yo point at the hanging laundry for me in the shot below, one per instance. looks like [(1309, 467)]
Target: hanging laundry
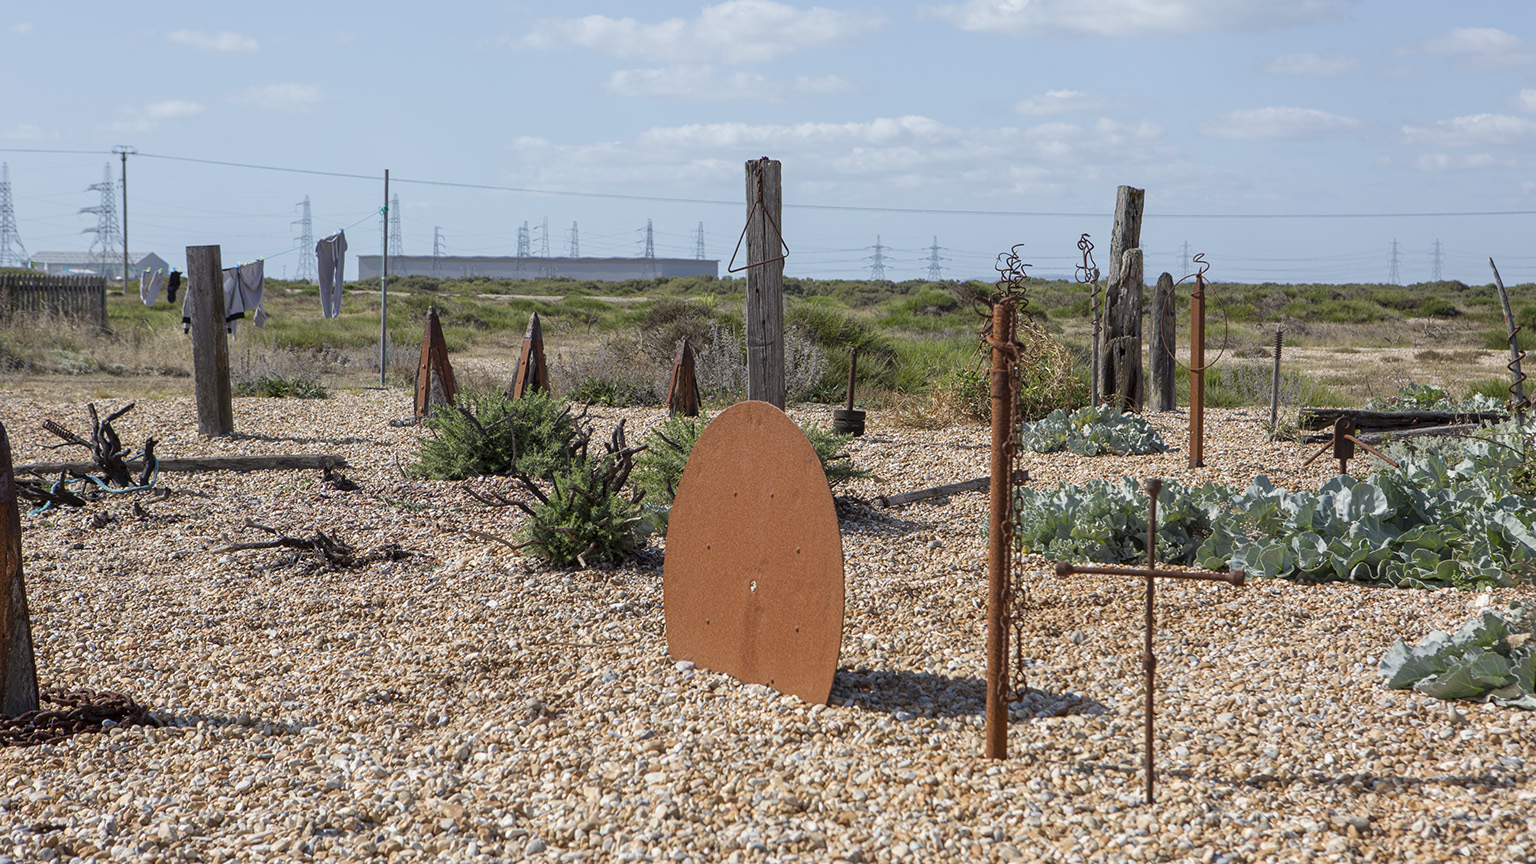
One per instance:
[(172, 285), (149, 286), (331, 256), (243, 290)]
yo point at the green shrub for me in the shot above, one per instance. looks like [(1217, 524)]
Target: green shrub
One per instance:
[(1498, 340), (297, 387), (618, 373), (669, 321), (659, 468), (836, 332), (1526, 317), (586, 518), (536, 435), (838, 467), (1436, 307)]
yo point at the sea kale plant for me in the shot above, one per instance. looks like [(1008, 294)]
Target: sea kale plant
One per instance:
[(1457, 515), (1490, 657), (1092, 431)]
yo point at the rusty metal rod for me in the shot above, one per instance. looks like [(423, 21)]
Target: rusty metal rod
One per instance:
[(853, 365), (996, 731), (1197, 373), (1236, 577), (1148, 659)]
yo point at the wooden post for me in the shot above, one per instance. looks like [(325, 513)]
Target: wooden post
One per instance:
[(996, 730), (683, 392), (1274, 382), (765, 282), (18, 668), (1129, 202), (1516, 388), (1122, 380), (1163, 343), (210, 347)]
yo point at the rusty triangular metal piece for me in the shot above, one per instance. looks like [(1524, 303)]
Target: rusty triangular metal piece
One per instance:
[(434, 376), (18, 668), (683, 392), (532, 371)]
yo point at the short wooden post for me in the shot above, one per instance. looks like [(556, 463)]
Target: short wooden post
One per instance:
[(1516, 376), (434, 375), (1122, 380), (210, 346), (1163, 345), (683, 392), (996, 729), (532, 371), (18, 668), (765, 282)]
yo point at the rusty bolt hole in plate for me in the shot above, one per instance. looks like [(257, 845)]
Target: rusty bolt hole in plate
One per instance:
[(753, 512)]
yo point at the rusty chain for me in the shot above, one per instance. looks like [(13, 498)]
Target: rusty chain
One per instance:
[(83, 711)]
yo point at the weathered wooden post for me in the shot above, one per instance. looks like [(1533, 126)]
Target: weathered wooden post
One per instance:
[(1126, 234), (683, 391), (1516, 376), (18, 668), (1124, 385), (1163, 344), (996, 731), (532, 371), (765, 282), (434, 375), (210, 346)]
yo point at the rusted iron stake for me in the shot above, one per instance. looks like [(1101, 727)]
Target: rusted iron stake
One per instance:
[(996, 732), (853, 365), (1197, 373), (1343, 443), (1151, 573)]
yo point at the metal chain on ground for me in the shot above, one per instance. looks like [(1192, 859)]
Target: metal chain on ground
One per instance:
[(83, 711)]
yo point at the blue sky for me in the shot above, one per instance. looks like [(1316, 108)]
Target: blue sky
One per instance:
[(914, 116)]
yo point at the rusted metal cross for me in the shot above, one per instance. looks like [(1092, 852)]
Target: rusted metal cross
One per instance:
[(1151, 573)]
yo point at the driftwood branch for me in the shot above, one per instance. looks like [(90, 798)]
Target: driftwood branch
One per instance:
[(329, 553)]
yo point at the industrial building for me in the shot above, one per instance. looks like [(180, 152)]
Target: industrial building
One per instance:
[(537, 267), (110, 266)]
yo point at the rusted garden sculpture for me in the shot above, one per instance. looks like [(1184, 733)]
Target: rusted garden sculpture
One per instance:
[(1151, 573), (1343, 443), (532, 371), (683, 391), (434, 375), (753, 578)]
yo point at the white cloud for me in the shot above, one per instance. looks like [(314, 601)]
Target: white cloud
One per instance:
[(1525, 100), (707, 83), (736, 31), (22, 28), (1321, 65), (1440, 163), (1133, 17), (1280, 124), (223, 42), (171, 109), (1482, 47), (292, 98), (26, 132), (1053, 102), (1475, 131)]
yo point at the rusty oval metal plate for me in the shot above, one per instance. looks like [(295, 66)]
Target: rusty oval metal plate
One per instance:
[(753, 578)]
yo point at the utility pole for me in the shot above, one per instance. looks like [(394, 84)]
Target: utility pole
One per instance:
[(698, 243), (123, 152), (522, 241), (877, 269), (1185, 259), (935, 272), (1435, 271), (437, 248), (650, 240), (106, 217), (575, 241), (306, 241), (1394, 276), (11, 250), (396, 238), (544, 238)]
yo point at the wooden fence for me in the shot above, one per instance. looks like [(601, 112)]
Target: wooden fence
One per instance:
[(31, 296)]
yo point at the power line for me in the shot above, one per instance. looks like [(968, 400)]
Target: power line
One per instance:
[(396, 241), (877, 268), (935, 272), (437, 248), (106, 218), (1435, 263), (575, 241), (1394, 277), (306, 271), (11, 249), (698, 249)]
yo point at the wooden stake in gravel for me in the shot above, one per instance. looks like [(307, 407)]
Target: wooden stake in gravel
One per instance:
[(1163, 340), (18, 669), (210, 348), (765, 282), (532, 371), (434, 375), (683, 392)]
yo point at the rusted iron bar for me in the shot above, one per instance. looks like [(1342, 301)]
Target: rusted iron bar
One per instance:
[(1151, 574), (996, 732), (18, 668), (1343, 443), (853, 365), (1197, 371), (1274, 382)]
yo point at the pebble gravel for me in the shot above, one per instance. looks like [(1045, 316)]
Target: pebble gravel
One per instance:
[(469, 704)]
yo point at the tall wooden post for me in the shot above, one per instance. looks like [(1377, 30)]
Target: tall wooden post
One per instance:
[(1163, 338), (210, 347), (765, 282), (996, 731), (1129, 203), (1126, 235), (1122, 379), (18, 668)]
